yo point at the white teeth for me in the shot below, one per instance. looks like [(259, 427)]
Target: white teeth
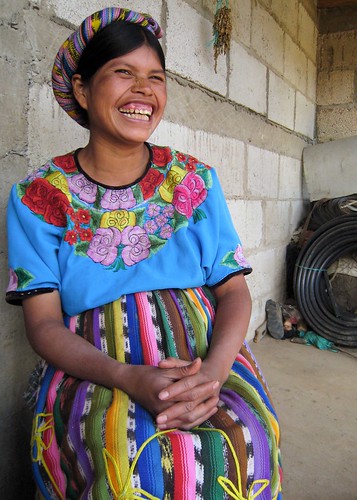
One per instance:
[(135, 111), (136, 116)]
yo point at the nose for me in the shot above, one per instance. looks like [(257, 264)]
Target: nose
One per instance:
[(142, 84)]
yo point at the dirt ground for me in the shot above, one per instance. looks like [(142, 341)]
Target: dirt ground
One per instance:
[(315, 396)]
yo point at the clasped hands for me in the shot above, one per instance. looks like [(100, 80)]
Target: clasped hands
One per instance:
[(177, 393)]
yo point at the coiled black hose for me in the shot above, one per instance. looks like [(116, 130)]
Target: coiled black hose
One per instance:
[(313, 293)]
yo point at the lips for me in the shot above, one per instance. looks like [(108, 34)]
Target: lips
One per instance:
[(138, 111)]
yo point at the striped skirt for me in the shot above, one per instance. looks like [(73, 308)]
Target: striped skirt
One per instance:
[(92, 442)]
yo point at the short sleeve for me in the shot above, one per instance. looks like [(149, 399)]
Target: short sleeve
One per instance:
[(32, 251), (222, 250)]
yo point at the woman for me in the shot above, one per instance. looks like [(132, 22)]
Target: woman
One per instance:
[(131, 279)]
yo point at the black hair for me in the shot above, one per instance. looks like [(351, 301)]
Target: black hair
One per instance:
[(115, 40)]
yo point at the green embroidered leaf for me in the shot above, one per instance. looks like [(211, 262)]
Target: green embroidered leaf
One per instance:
[(179, 221), (156, 243), (20, 189), (24, 277), (137, 194), (140, 217), (207, 177), (198, 215), (81, 248), (229, 261)]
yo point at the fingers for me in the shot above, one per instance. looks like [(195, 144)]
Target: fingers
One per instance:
[(173, 363), (186, 415)]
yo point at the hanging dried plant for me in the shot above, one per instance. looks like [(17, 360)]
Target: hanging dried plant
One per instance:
[(222, 30)]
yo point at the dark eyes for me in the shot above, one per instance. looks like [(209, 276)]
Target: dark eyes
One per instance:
[(129, 74)]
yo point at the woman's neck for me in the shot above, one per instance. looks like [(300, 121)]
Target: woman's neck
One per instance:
[(114, 166)]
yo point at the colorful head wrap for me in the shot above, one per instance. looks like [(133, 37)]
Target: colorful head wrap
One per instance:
[(67, 58)]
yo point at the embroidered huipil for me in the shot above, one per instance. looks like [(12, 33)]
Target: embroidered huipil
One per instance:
[(94, 243)]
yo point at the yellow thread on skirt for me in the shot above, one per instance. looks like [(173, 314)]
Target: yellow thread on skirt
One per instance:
[(127, 492), (39, 427)]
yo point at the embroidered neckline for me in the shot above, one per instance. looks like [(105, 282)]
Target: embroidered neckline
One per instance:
[(107, 186)]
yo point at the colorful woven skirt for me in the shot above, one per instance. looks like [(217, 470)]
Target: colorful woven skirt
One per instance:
[(90, 442)]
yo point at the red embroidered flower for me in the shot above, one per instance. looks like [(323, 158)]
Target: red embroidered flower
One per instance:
[(181, 157), (191, 164), (66, 162), (71, 237), (56, 209), (44, 199), (161, 156), (85, 234), (82, 216), (148, 185)]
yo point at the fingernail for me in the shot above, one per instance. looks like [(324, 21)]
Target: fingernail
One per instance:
[(161, 419), (163, 395), (216, 385)]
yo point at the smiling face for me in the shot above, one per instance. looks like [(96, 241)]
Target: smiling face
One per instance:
[(125, 99)]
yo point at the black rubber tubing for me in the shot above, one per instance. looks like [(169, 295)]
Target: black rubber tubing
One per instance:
[(333, 240)]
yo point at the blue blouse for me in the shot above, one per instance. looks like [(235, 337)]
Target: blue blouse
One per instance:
[(94, 243)]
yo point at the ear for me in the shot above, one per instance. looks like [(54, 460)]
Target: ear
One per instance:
[(79, 91)]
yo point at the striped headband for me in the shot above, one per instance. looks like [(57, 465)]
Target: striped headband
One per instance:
[(67, 58)]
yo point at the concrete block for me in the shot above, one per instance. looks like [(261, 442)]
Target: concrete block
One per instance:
[(311, 80), (247, 217), (295, 65), (330, 169), (189, 52), (268, 277), (338, 50), (336, 123), (14, 167), (247, 80), (13, 102), (307, 33), (75, 12), (290, 178), (287, 13), (298, 210), (263, 173), (305, 116), (51, 131), (281, 101), (241, 15), (335, 87), (276, 222), (267, 38), (44, 38), (225, 154)]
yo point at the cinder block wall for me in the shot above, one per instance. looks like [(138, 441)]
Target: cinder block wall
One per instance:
[(250, 120), (337, 74)]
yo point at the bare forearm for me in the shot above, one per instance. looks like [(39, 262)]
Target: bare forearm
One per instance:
[(74, 355), (230, 328)]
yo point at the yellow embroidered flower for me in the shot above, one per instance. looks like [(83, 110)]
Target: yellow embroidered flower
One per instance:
[(174, 177), (118, 218), (59, 181)]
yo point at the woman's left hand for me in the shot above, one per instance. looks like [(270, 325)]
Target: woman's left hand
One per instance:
[(195, 398)]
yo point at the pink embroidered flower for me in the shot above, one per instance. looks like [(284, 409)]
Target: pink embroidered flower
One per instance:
[(166, 231), (168, 211), (86, 190), (150, 226), (118, 198), (196, 187), (13, 281), (137, 245), (239, 257), (103, 247), (189, 194), (153, 210), (182, 201)]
